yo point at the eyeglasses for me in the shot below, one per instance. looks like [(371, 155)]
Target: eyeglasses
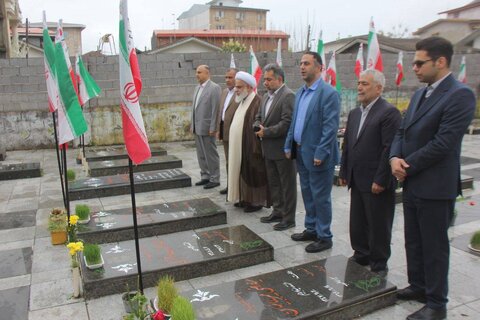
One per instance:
[(420, 63)]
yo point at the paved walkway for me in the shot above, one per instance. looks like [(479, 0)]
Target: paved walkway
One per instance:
[(36, 275)]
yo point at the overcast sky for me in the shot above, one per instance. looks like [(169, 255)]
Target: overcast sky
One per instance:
[(339, 18)]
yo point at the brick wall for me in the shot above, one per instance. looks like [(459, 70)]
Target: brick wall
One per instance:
[(168, 85)]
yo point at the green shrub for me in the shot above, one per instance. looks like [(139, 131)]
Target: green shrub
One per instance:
[(71, 175), (166, 293), (82, 211), (182, 309), (92, 253), (475, 240)]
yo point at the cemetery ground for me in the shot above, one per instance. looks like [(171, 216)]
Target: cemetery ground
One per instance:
[(36, 278)]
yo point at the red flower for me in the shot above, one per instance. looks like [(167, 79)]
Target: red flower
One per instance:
[(158, 315), (472, 203)]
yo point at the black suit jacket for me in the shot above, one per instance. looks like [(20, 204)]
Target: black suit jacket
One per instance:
[(365, 159), (430, 139)]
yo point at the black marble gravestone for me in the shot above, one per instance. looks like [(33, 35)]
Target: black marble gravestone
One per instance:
[(120, 184), (463, 243), (332, 288), (183, 255), (116, 152), (163, 218), (20, 171), (111, 167)]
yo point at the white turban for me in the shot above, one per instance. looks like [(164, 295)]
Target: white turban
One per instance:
[(247, 78)]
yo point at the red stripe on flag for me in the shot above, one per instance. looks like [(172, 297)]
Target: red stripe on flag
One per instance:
[(137, 147), (137, 78)]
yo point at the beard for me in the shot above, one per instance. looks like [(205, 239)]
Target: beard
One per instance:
[(242, 95)]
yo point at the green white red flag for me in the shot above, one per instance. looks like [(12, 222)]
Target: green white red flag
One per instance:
[(255, 69), (462, 75), (87, 87), (71, 123), (49, 60), (60, 38), (134, 133), (278, 60), (321, 52), (359, 61), (374, 56), (332, 76), (232, 61), (399, 74)]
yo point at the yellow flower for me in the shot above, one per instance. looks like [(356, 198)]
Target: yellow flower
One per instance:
[(73, 219), (74, 247)]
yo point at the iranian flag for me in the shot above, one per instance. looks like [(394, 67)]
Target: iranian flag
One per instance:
[(49, 60), (399, 74), (255, 69), (87, 87), (279, 53), (462, 75), (232, 61), (321, 52), (332, 76), (359, 61), (134, 133), (71, 123), (374, 56), (60, 38)]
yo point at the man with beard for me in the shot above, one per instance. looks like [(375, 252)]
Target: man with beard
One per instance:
[(247, 182), (226, 110)]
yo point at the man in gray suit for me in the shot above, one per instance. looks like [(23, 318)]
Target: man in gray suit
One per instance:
[(271, 126), (206, 99)]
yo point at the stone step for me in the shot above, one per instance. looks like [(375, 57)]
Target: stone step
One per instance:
[(162, 218), (20, 171), (116, 152), (183, 255), (331, 288), (120, 184), (112, 167)]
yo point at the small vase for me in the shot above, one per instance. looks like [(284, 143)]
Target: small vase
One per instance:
[(94, 266), (58, 237), (84, 221), (76, 282)]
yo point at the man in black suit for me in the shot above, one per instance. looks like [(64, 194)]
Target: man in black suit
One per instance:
[(271, 126), (425, 155), (365, 168)]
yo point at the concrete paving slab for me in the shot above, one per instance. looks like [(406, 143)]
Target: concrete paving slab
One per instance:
[(14, 303)]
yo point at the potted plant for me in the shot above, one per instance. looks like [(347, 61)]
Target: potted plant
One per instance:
[(92, 256), (57, 225), (182, 309), (166, 294), (83, 213), (71, 175), (475, 242), (138, 306)]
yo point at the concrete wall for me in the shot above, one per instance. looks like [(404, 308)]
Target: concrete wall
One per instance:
[(168, 85)]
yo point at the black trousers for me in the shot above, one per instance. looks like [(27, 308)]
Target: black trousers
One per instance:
[(371, 219), (427, 245)]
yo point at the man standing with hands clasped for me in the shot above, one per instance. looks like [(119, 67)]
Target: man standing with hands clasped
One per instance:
[(425, 155), (271, 126), (364, 167)]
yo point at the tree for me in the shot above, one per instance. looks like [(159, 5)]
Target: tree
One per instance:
[(233, 46), (398, 31)]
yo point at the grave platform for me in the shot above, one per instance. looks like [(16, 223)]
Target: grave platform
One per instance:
[(183, 255), (117, 225), (112, 167), (20, 171), (116, 152), (120, 184)]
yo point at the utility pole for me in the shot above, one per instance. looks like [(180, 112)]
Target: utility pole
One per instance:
[(308, 38)]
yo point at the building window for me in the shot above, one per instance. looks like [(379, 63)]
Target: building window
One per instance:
[(220, 14), (220, 27), (259, 17), (240, 16)]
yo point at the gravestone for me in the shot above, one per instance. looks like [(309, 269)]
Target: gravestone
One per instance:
[(163, 218), (3, 154), (20, 171), (116, 152), (120, 184), (331, 288), (112, 167), (183, 255), (463, 242)]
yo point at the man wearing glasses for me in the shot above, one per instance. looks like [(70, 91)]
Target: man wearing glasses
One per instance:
[(425, 155)]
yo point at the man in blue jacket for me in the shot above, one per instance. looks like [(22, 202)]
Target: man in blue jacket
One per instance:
[(312, 140)]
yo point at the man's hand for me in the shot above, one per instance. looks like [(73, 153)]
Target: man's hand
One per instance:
[(212, 133), (399, 167), (376, 188), (260, 132), (288, 155), (317, 162), (342, 182)]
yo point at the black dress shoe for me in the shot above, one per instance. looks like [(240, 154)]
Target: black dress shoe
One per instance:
[(202, 182), (427, 313), (319, 245), (224, 191), (211, 185), (304, 236), (240, 204), (361, 261), (271, 218), (252, 208), (409, 293), (283, 226)]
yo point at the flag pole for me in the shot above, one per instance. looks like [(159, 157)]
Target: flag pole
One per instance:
[(135, 226), (67, 207), (58, 158), (396, 97)]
